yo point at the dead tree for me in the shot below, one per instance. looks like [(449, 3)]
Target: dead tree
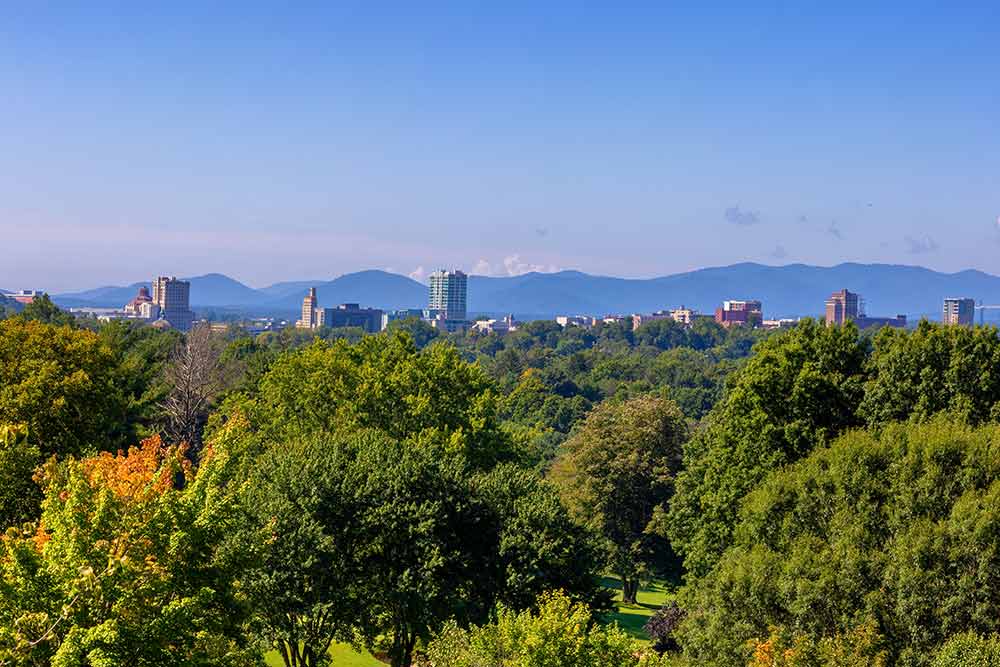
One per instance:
[(197, 376)]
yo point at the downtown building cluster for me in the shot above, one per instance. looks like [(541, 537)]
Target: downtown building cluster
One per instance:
[(167, 304)]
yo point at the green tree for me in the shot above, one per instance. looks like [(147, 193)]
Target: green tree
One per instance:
[(538, 546), (558, 634), (383, 382), (303, 584), (41, 309), (800, 390), (140, 353), (969, 649), (933, 369), (664, 334), (617, 473), (421, 332), (19, 495), (65, 385), (900, 528)]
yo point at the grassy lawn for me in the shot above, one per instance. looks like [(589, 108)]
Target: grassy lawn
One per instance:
[(631, 617), (343, 656)]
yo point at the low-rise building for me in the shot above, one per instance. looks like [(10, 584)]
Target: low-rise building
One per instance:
[(783, 323), (351, 315), (501, 326), (684, 315), (740, 313), (585, 321), (25, 296)]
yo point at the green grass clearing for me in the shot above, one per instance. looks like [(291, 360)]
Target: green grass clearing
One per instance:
[(342, 654), (631, 617)]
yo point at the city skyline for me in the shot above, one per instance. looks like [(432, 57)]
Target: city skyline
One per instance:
[(497, 140)]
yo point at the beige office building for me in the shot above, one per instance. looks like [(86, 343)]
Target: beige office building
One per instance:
[(173, 297)]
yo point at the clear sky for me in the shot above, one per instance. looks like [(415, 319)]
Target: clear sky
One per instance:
[(271, 142)]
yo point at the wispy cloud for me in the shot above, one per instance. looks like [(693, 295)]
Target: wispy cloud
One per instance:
[(735, 215), (542, 232), (779, 252), (919, 246), (834, 231), (482, 268)]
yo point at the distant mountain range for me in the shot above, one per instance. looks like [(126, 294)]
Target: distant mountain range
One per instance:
[(787, 291)]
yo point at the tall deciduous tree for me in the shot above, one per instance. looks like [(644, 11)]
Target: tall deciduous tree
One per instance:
[(197, 376), (617, 473)]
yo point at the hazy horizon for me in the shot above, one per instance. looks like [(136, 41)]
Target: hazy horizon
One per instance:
[(275, 144)]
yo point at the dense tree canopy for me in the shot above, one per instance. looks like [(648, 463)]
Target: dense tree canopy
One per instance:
[(385, 383), (898, 529), (64, 384), (799, 390)]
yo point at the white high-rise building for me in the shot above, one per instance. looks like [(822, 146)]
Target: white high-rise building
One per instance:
[(448, 290)]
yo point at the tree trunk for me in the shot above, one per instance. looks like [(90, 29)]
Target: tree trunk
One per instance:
[(630, 589)]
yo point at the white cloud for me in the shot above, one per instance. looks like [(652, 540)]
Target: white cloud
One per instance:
[(514, 266), (418, 273), (482, 268)]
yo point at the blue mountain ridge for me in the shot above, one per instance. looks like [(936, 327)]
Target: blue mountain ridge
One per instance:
[(791, 290)]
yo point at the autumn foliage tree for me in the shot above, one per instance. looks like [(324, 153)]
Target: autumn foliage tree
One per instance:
[(123, 568)]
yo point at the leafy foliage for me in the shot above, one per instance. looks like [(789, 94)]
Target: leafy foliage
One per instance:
[(800, 390), (560, 633), (385, 383), (122, 570), (968, 649), (900, 527), (19, 495), (64, 385), (859, 647), (363, 536), (934, 369), (41, 309)]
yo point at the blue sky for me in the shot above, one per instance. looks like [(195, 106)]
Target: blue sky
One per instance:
[(272, 143)]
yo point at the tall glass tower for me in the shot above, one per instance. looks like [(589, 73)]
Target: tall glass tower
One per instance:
[(448, 291)]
